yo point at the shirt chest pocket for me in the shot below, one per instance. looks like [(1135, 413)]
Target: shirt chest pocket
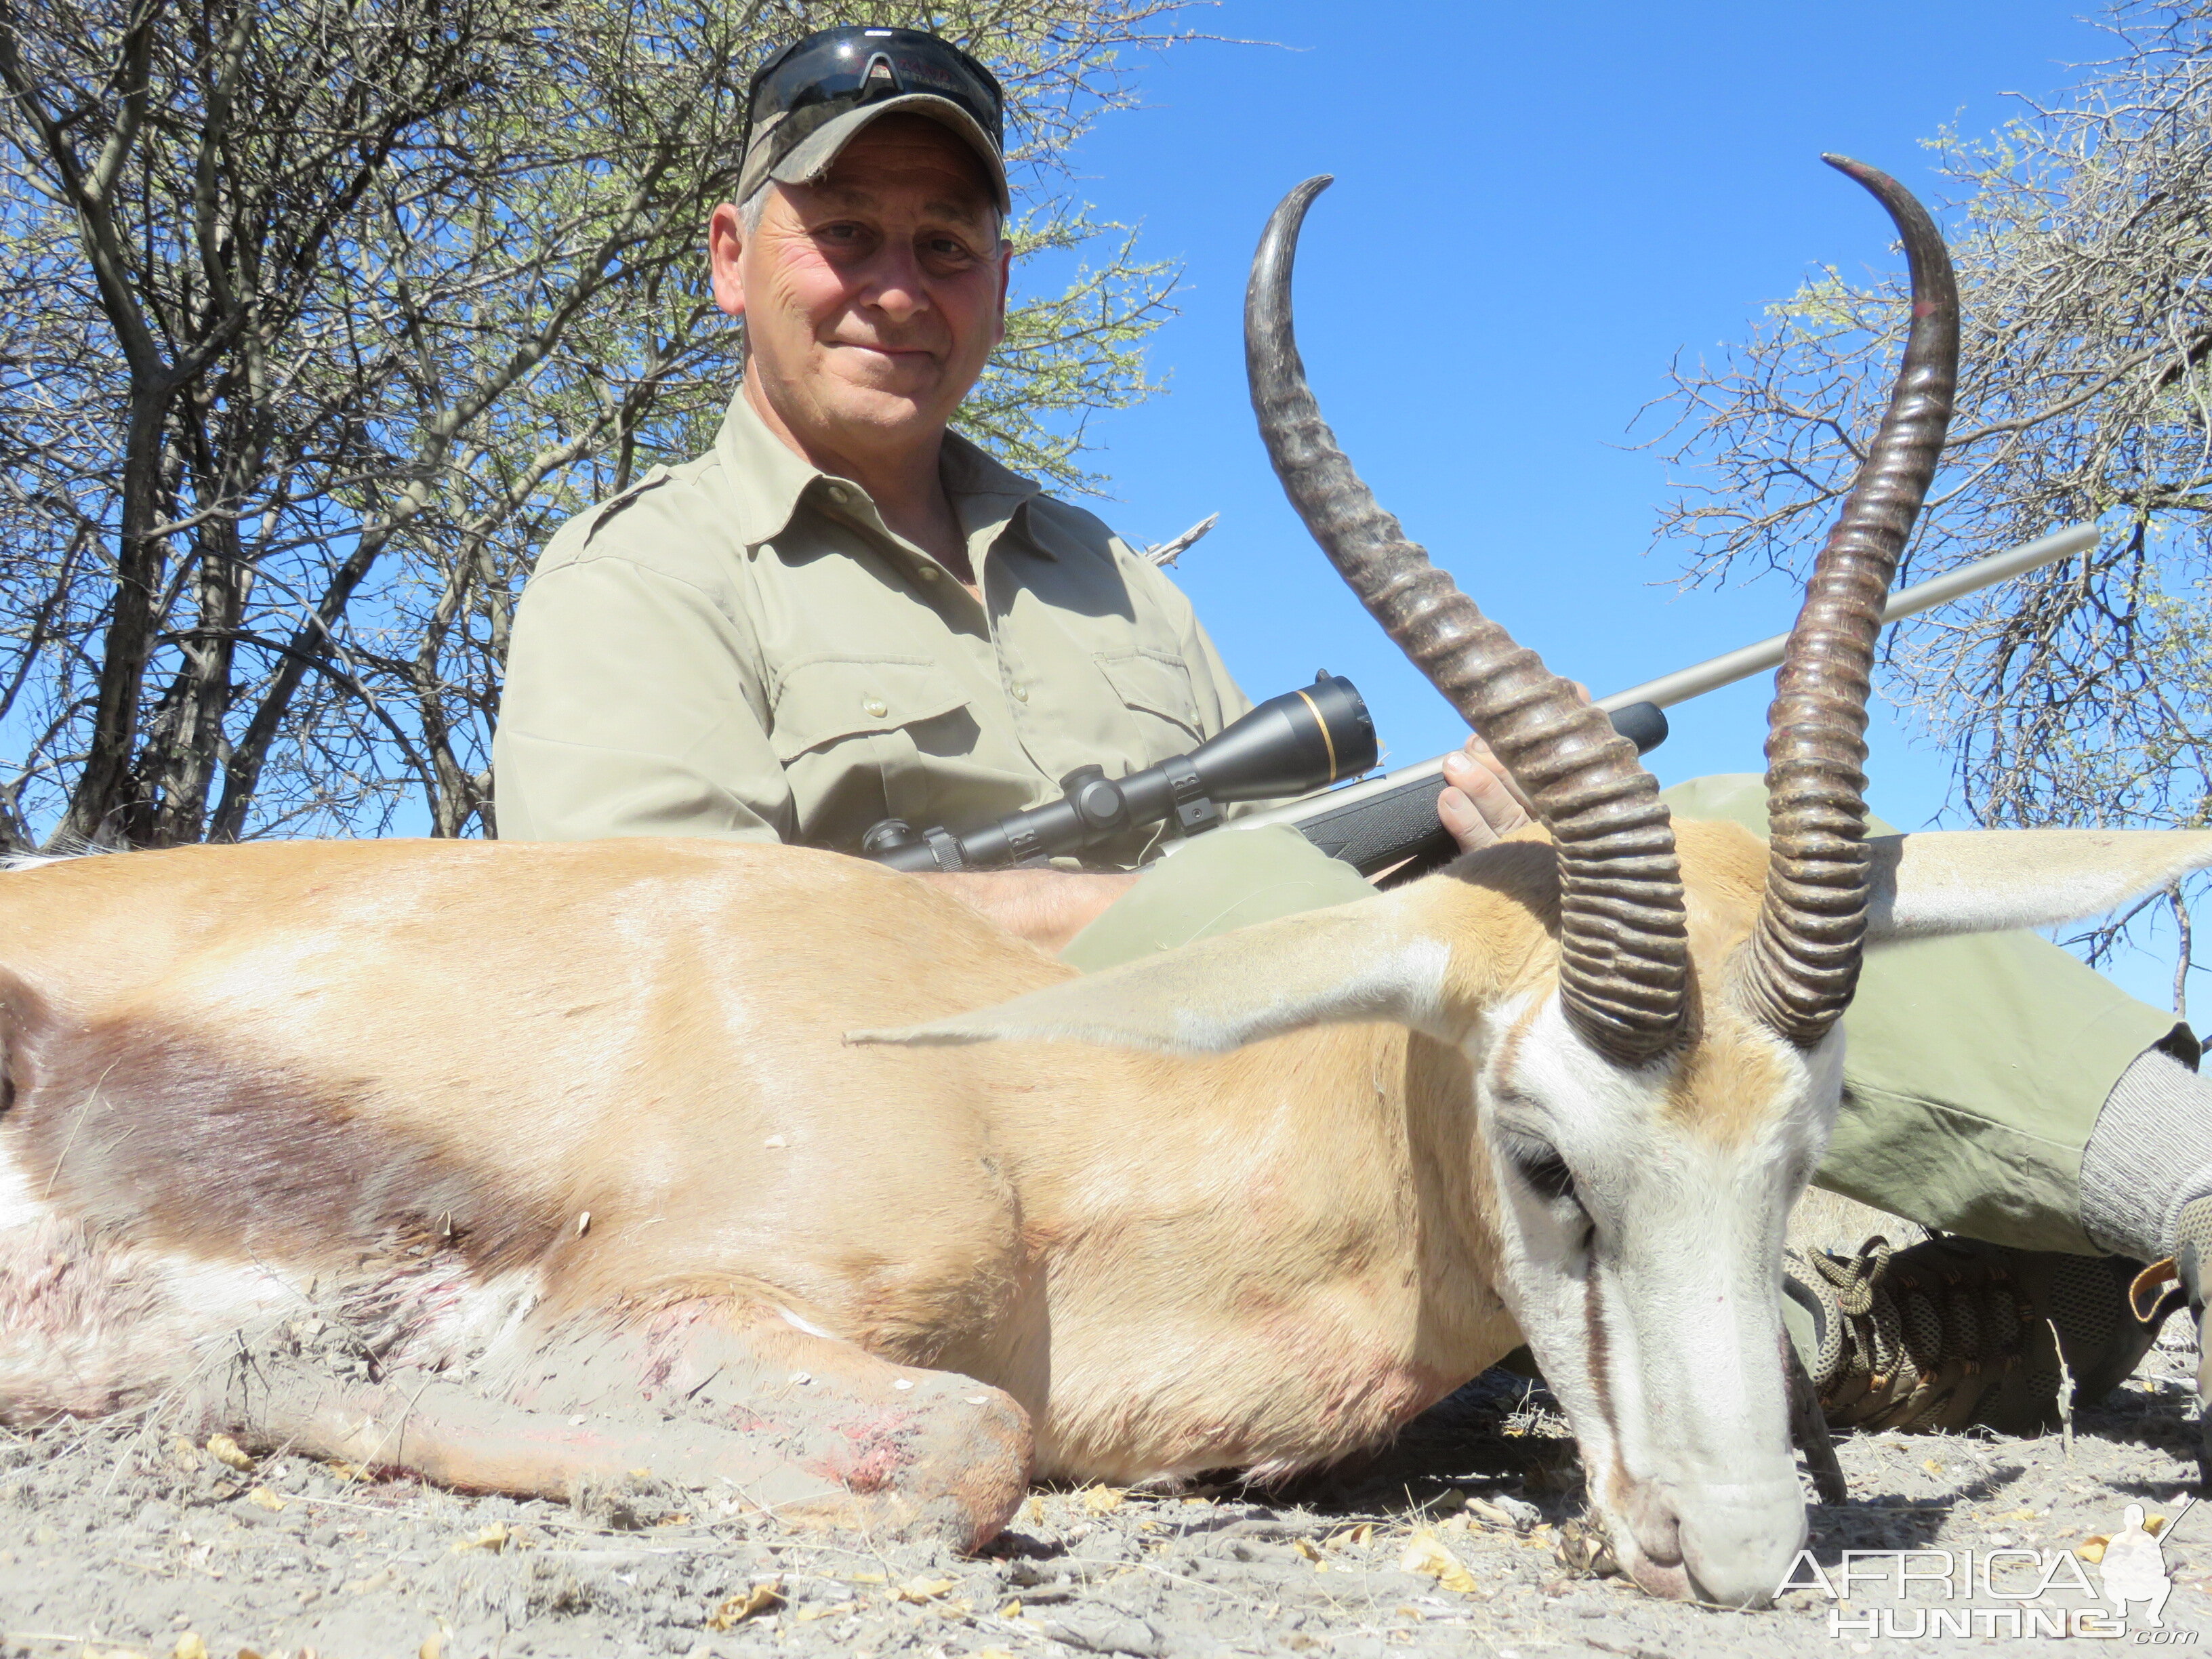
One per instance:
[(1155, 690), (825, 700)]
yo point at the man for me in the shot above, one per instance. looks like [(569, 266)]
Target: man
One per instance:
[(846, 612)]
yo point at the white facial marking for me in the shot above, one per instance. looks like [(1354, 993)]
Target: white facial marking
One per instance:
[(1642, 1246)]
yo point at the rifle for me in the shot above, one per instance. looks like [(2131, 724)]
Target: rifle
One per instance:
[(1391, 819), (1304, 740), (1316, 737)]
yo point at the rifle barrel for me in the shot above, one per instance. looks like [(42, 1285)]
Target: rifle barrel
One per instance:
[(1726, 669)]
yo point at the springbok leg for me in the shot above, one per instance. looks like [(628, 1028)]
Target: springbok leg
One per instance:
[(808, 1429)]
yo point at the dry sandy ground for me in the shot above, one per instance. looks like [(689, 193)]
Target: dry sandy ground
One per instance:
[(120, 1542)]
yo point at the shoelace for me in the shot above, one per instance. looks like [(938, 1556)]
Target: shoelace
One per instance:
[(1868, 1321), (1898, 1347)]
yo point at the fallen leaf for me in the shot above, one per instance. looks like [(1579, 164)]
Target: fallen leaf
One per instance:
[(348, 1471), (189, 1645), (1427, 1556), (1932, 1466), (266, 1498), (762, 1598), (923, 1589), (1099, 1499), (1358, 1537), (1304, 1547), (807, 1615), (866, 1578), (640, 1474), (434, 1645), (227, 1452), (1011, 1610), (493, 1538), (2154, 1524), (186, 1455), (2092, 1549), (993, 1653)]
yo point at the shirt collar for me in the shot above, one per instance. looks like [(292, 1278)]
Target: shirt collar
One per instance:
[(768, 480)]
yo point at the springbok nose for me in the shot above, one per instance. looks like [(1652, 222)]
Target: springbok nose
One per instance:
[(1737, 1541)]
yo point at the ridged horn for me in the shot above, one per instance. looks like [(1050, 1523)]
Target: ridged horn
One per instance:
[(1802, 960), (1624, 976)]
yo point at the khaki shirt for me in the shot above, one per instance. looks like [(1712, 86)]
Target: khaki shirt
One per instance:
[(738, 648)]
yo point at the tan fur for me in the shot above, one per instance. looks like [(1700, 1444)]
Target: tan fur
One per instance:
[(599, 1100), (1727, 1083), (303, 1053), (484, 1043)]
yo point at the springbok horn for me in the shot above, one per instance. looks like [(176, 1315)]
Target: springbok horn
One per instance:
[(1624, 948), (1803, 960)]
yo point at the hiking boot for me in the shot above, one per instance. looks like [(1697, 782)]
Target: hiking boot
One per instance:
[(1952, 1332)]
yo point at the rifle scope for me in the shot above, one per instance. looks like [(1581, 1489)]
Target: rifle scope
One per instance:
[(1289, 745), (1301, 741)]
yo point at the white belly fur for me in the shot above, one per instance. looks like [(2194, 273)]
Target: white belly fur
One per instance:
[(91, 1325)]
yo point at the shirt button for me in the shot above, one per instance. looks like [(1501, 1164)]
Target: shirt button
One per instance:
[(1021, 693), (875, 708), (836, 492), (929, 573)]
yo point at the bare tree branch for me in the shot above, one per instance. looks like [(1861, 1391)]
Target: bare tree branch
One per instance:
[(317, 319), (2083, 238)]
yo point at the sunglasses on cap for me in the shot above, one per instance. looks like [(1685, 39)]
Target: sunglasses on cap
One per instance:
[(814, 80)]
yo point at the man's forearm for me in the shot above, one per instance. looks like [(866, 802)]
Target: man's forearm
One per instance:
[(1048, 907)]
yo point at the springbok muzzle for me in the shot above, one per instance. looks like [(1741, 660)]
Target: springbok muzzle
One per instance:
[(1726, 1542)]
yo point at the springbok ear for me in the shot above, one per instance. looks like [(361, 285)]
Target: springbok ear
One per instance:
[(1982, 881), (1360, 962)]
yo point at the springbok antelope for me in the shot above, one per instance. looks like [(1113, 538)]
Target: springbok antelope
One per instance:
[(689, 1156)]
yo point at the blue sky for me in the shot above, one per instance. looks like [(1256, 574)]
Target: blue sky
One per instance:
[(1536, 209)]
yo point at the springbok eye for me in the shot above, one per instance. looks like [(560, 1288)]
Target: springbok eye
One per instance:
[(1541, 1165)]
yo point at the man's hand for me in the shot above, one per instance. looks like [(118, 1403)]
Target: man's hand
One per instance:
[(1048, 907), (1482, 805)]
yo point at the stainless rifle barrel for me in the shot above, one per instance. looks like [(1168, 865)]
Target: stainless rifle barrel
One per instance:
[(1731, 665)]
